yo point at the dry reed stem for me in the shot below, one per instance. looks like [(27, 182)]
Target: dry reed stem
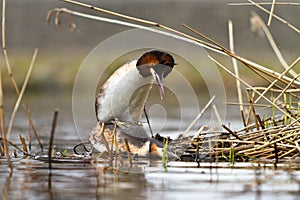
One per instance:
[(16, 147), (8, 66), (254, 113), (2, 117), (248, 104), (217, 114), (271, 12), (198, 116), (282, 74), (257, 92), (28, 133), (249, 64), (198, 133), (53, 126), (275, 16), (24, 146), (178, 35), (231, 132), (21, 92), (34, 129), (265, 3), (235, 67), (285, 90)]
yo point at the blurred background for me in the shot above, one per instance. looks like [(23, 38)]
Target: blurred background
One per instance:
[(61, 51)]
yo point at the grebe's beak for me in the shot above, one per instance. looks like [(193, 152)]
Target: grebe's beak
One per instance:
[(158, 78)]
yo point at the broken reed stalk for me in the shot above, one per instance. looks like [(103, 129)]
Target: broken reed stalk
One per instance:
[(15, 146), (28, 133), (235, 67), (24, 146), (2, 117), (21, 92), (53, 126), (198, 117), (169, 32)]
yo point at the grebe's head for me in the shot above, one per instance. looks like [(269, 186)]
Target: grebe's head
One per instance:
[(157, 64)]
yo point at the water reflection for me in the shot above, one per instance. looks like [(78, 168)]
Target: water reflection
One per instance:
[(145, 180)]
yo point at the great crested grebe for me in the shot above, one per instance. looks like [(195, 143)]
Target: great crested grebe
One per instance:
[(122, 99)]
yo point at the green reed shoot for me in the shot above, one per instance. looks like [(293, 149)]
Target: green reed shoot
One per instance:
[(266, 122), (165, 156), (231, 155)]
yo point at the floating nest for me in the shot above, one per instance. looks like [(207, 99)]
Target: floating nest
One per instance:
[(271, 139)]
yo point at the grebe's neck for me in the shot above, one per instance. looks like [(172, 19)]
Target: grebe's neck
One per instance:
[(123, 95)]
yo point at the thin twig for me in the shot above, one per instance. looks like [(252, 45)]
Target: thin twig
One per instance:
[(21, 93), (231, 132), (198, 116), (265, 3), (217, 114), (2, 117), (34, 130), (271, 12), (235, 67), (54, 121), (29, 133)]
